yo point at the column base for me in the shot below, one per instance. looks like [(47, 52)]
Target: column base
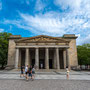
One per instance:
[(51, 70), (9, 67)]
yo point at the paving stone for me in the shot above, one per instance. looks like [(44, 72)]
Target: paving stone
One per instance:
[(44, 85)]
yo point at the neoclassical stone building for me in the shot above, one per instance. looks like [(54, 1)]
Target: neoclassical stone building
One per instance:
[(45, 52)]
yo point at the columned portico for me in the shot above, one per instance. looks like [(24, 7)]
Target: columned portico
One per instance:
[(56, 58), (17, 58), (44, 52)]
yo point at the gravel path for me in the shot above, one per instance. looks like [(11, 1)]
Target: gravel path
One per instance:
[(44, 85)]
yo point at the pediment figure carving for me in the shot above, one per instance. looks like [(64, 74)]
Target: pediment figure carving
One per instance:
[(42, 38)]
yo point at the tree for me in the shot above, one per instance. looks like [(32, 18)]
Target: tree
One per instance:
[(4, 48), (84, 54)]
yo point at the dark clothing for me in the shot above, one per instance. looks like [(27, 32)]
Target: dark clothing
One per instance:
[(22, 68), (26, 73), (30, 72), (21, 72)]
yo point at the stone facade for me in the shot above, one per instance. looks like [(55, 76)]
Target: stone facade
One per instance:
[(44, 52)]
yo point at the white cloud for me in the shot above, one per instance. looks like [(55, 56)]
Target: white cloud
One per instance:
[(86, 25), (77, 18), (76, 21), (39, 5), (46, 23), (42, 24), (72, 4), (1, 30), (51, 23), (78, 35)]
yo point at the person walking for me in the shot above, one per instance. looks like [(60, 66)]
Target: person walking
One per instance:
[(67, 70), (30, 71), (33, 73), (22, 71), (26, 72)]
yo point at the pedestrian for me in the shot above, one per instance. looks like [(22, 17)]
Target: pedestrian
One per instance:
[(41, 66), (67, 72), (26, 72), (30, 71), (33, 73), (22, 71)]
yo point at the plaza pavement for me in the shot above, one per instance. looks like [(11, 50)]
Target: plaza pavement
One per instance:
[(44, 84), (10, 80), (74, 75)]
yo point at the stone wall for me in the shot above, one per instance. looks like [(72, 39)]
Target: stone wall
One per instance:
[(11, 50), (72, 50), (11, 53), (73, 53)]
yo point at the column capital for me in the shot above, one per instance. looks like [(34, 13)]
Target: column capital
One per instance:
[(17, 47), (67, 49), (36, 47), (56, 47), (64, 49), (46, 47), (27, 48)]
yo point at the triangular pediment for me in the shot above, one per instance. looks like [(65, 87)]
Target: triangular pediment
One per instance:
[(42, 38)]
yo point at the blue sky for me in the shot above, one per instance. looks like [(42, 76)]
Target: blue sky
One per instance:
[(46, 17)]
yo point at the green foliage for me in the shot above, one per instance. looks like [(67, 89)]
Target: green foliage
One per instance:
[(4, 47), (84, 54)]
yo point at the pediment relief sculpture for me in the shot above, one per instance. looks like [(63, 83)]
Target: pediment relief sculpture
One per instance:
[(42, 38)]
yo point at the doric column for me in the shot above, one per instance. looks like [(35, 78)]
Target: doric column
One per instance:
[(17, 58), (64, 58), (27, 57), (46, 58), (57, 59), (37, 58), (67, 58), (19, 64)]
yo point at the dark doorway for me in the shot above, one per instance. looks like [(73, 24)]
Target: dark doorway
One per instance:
[(33, 62), (50, 63), (61, 59), (22, 57), (41, 64)]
